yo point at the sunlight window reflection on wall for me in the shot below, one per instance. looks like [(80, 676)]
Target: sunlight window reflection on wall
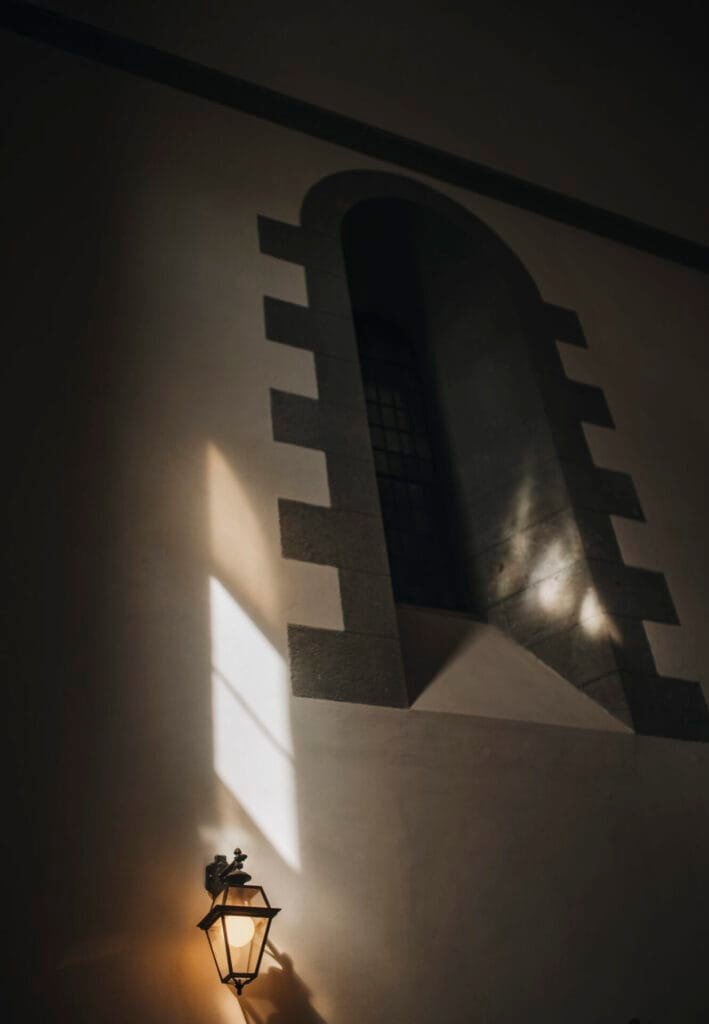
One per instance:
[(593, 618), (253, 751)]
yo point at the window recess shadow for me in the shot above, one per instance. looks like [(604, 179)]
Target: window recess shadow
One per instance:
[(457, 664), (430, 639)]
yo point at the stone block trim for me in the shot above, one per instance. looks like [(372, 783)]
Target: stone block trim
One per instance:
[(366, 603), (338, 383), (656, 705), (600, 643), (558, 598), (312, 423), (578, 607), (361, 663), (630, 592), (573, 400), (300, 327), (610, 693), (331, 536), (566, 536), (542, 552), (296, 245), (602, 490), (343, 665), (597, 647), (564, 325), (540, 489), (328, 292), (353, 484)]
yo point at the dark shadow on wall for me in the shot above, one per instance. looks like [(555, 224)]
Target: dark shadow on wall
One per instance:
[(283, 992), (430, 639)]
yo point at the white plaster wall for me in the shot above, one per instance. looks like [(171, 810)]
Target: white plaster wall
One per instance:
[(433, 864)]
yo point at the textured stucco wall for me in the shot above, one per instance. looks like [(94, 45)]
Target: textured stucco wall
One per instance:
[(427, 863)]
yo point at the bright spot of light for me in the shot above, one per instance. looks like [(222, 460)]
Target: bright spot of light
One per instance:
[(552, 560), (522, 504), (520, 545), (592, 610), (239, 548), (555, 594), (593, 618), (253, 749)]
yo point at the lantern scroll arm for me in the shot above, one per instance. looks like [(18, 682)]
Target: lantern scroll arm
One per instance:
[(216, 872)]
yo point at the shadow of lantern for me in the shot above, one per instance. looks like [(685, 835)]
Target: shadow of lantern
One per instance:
[(279, 995)]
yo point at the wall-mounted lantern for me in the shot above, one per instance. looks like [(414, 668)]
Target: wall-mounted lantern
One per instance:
[(238, 922)]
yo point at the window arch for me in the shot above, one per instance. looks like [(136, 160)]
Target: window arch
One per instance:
[(530, 512)]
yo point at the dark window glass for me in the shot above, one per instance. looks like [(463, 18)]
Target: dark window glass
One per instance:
[(410, 489)]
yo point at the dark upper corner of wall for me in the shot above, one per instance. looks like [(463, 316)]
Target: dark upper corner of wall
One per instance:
[(136, 58)]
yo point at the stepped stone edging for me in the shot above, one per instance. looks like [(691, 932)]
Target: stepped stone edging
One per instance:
[(607, 656)]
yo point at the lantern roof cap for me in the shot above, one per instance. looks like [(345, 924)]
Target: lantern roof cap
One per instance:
[(234, 874)]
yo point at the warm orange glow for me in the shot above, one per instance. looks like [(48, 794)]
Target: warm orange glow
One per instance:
[(240, 549)]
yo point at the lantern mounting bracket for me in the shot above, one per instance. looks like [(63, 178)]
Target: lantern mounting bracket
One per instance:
[(216, 873)]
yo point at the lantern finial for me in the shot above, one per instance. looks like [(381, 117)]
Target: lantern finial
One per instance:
[(239, 859)]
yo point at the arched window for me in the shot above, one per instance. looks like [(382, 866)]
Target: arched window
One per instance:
[(408, 443), (489, 500)]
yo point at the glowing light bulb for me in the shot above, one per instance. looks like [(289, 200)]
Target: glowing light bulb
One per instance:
[(239, 931)]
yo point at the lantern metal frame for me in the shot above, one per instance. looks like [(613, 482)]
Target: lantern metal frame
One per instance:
[(219, 876)]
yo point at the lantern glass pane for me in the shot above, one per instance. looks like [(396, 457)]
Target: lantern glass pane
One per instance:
[(246, 936), (215, 934), (245, 896)]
